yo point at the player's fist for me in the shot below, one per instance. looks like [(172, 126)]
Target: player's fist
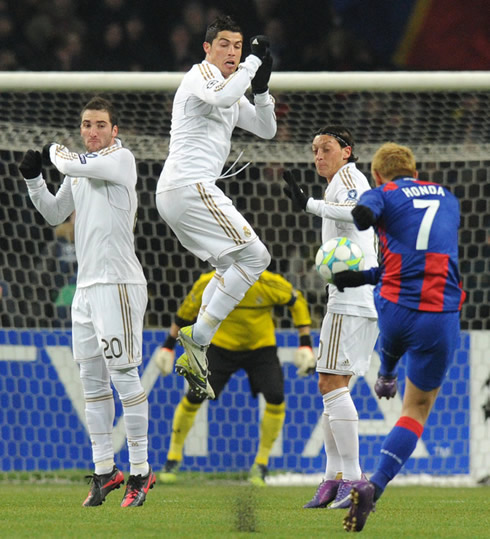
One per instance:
[(294, 192), (363, 217), (30, 166), (260, 83), (259, 46), (165, 360), (305, 360)]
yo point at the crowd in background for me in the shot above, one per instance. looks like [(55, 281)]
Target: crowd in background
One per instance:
[(159, 35)]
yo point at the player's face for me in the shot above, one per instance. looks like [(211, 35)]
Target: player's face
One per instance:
[(225, 51), (329, 155), (96, 130)]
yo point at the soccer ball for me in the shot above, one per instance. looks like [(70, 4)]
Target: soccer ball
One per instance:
[(338, 254)]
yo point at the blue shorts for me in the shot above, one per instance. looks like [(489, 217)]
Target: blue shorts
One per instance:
[(428, 339)]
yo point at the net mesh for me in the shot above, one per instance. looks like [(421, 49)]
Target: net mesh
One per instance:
[(449, 132)]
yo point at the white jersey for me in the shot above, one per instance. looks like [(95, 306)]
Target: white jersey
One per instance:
[(341, 195), (101, 188), (206, 109)]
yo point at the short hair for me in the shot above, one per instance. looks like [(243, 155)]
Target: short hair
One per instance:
[(342, 135), (221, 24), (100, 103), (392, 160)]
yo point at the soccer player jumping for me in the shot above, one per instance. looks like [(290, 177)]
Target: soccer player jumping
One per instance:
[(418, 297), (208, 105), (111, 296)]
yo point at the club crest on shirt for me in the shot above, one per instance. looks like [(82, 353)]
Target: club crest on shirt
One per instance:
[(352, 194), (247, 232)]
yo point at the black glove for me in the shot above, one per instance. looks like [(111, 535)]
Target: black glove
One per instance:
[(347, 279), (30, 166), (259, 46), (294, 192), (260, 83), (46, 158), (363, 217)]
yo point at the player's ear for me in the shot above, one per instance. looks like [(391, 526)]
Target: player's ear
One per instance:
[(416, 174), (207, 47)]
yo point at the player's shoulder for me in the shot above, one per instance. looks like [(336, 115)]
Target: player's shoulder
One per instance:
[(350, 177)]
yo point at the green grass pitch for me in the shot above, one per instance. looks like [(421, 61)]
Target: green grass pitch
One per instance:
[(201, 508)]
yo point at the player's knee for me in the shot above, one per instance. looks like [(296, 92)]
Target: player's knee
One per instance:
[(255, 258), (274, 397), (193, 398), (95, 380), (127, 382)]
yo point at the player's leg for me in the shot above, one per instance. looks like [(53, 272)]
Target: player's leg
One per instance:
[(231, 246), (99, 402), (346, 346), (432, 339), (118, 312), (266, 377)]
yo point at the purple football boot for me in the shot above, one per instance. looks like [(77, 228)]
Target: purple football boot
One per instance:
[(324, 494), (362, 503)]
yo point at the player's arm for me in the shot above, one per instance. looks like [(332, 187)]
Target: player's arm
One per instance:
[(352, 279), (369, 209), (114, 164), (55, 209), (338, 211), (259, 119)]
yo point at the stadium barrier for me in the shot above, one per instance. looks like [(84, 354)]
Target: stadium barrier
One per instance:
[(42, 421)]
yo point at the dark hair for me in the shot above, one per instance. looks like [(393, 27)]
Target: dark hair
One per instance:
[(220, 24), (342, 135), (100, 103)]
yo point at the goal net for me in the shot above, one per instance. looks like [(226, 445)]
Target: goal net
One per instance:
[(444, 117)]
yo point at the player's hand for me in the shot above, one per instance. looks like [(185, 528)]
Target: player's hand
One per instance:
[(46, 156), (348, 279), (30, 166), (260, 83), (259, 46), (363, 217), (305, 360), (165, 360), (294, 192)]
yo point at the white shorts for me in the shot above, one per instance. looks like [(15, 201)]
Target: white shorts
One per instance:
[(107, 320), (205, 220), (346, 344)]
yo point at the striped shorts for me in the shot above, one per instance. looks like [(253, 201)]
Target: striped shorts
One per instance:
[(346, 344)]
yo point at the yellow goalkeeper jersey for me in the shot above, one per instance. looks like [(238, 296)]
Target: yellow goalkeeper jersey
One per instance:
[(250, 325)]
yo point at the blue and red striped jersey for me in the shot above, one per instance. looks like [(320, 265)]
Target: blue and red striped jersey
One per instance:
[(417, 225)]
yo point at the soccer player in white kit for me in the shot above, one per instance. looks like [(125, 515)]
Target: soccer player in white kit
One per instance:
[(111, 296), (208, 105), (349, 329)]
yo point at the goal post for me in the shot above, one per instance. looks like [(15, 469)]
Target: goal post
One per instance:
[(443, 116)]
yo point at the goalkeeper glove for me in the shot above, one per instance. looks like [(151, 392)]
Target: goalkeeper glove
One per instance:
[(363, 217), (305, 360), (260, 83), (294, 192), (166, 355), (30, 166), (347, 279), (259, 46)]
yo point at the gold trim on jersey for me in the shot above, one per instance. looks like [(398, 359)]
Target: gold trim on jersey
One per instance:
[(222, 85), (63, 153), (206, 72), (127, 320), (220, 217), (346, 178), (334, 342)]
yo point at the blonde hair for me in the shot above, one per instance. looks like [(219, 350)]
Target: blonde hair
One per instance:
[(391, 160)]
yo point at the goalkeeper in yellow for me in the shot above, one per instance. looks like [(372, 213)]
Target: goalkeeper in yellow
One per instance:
[(245, 340)]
